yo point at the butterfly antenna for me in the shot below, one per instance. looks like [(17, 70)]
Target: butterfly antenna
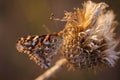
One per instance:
[(46, 28)]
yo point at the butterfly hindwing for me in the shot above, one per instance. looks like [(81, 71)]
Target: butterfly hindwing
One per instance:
[(40, 49)]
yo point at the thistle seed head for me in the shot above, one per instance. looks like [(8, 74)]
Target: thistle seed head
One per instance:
[(88, 37)]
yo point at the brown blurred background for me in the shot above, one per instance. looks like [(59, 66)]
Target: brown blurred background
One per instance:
[(27, 17)]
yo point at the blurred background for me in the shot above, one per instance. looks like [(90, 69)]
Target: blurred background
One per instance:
[(31, 17)]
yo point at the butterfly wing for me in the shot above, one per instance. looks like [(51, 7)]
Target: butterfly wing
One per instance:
[(40, 49)]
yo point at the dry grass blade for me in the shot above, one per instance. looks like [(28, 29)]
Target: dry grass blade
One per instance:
[(52, 70)]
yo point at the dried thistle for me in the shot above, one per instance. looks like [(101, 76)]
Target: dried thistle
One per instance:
[(87, 41), (88, 37)]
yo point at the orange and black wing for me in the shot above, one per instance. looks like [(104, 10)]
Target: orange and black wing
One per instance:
[(40, 49)]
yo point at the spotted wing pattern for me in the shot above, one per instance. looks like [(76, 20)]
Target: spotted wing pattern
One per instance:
[(40, 49)]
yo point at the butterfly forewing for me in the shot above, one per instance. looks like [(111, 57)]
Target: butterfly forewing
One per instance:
[(40, 49)]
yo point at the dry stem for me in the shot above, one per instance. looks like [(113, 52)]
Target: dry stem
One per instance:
[(52, 70)]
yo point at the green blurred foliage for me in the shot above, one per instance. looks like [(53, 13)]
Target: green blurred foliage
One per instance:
[(27, 17)]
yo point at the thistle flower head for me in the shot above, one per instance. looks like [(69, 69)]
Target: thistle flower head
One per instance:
[(88, 37)]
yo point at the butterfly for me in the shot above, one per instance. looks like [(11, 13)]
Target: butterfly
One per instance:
[(40, 48)]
